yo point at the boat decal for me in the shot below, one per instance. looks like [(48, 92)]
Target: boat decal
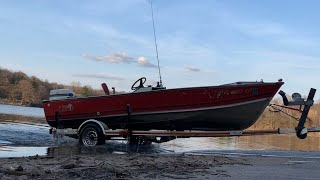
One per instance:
[(65, 108)]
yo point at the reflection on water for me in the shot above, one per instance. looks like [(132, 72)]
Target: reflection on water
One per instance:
[(262, 142), (26, 135), (279, 142), (191, 144), (111, 147), (267, 142)]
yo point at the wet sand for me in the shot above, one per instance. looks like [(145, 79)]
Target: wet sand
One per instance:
[(159, 166)]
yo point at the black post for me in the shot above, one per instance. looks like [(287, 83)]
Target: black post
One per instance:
[(304, 114), (129, 113), (57, 119), (131, 139)]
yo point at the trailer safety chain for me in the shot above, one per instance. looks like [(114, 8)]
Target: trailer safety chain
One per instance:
[(279, 108), (295, 109)]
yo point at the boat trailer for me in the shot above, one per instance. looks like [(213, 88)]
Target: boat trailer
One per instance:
[(159, 136)]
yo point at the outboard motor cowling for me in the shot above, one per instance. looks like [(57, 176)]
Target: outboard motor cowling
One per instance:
[(57, 94)]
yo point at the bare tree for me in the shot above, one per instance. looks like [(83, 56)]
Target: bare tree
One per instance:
[(76, 87), (27, 92), (87, 91)]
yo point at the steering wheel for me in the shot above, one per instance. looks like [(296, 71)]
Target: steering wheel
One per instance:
[(141, 80)]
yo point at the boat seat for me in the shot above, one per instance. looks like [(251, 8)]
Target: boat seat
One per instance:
[(105, 88)]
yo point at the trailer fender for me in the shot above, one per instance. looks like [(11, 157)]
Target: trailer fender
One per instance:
[(102, 125)]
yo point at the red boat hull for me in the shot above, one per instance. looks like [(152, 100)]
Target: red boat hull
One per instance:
[(228, 107)]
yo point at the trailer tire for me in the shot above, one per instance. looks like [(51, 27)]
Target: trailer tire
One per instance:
[(301, 136), (91, 135)]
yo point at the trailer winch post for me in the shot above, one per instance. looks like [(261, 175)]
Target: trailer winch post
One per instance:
[(301, 131)]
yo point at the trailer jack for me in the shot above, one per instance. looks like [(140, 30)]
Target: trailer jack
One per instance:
[(297, 100)]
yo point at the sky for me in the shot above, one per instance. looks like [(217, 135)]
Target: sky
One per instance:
[(200, 43)]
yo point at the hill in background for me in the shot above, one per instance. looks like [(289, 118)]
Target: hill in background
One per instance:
[(17, 88)]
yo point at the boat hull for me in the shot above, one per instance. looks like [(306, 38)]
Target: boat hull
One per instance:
[(233, 117), (229, 107)]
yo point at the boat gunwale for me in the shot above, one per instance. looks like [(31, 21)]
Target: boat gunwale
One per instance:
[(174, 89)]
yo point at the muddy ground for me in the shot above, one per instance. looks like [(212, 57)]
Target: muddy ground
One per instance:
[(159, 166)]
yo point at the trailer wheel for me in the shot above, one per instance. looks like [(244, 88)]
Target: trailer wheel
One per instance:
[(91, 135), (301, 136)]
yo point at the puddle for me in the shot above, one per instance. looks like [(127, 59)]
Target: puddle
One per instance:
[(28, 135), (112, 147), (12, 151)]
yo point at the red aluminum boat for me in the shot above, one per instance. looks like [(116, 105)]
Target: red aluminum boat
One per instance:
[(234, 106)]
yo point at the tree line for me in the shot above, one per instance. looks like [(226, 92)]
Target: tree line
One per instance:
[(20, 89)]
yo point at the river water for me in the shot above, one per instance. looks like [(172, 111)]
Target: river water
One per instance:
[(21, 110), (18, 140)]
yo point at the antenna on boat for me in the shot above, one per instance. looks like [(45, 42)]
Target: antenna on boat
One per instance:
[(155, 43)]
